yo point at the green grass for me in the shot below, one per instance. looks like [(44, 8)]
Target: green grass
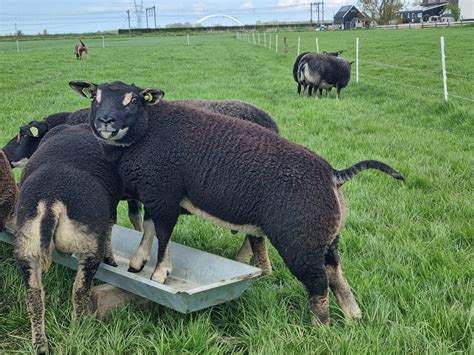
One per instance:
[(407, 249)]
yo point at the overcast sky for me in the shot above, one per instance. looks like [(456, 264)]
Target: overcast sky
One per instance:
[(59, 16)]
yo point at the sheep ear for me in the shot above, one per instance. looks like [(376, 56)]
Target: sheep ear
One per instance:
[(35, 129), (84, 88), (152, 96)]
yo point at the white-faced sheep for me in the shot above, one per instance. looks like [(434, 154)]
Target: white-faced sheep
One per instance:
[(233, 173)]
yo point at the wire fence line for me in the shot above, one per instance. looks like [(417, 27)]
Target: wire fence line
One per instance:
[(247, 37)]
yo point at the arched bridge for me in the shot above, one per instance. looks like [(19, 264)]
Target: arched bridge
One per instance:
[(233, 19)]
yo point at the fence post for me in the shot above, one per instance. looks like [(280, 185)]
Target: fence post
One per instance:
[(270, 42), (443, 63), (188, 38), (357, 59), (285, 43), (17, 46), (103, 42), (299, 42), (258, 35), (317, 45), (276, 43), (265, 39), (253, 38)]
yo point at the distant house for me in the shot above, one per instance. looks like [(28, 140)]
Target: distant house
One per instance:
[(349, 17), (433, 10)]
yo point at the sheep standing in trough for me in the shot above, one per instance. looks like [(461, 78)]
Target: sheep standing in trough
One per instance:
[(67, 201), (79, 49), (253, 246), (233, 173), (319, 71), (303, 83), (8, 192)]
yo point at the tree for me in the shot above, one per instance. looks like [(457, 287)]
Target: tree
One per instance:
[(455, 11), (382, 11)]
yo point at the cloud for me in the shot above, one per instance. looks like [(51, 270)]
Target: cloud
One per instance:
[(247, 5)]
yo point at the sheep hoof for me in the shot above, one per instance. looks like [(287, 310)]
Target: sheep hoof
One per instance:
[(110, 261), (137, 265), (135, 270), (160, 275)]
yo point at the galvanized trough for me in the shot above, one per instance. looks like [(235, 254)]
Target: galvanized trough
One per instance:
[(198, 280)]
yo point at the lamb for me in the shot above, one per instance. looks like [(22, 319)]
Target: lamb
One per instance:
[(233, 173), (21, 147), (296, 66), (79, 49), (55, 211), (320, 71), (8, 192)]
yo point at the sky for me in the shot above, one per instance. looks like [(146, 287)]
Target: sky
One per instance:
[(56, 16)]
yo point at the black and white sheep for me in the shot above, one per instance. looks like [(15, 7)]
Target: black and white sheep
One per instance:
[(303, 83), (8, 192), (319, 71), (67, 201), (233, 173)]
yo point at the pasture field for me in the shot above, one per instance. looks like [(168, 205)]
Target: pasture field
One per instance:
[(407, 249)]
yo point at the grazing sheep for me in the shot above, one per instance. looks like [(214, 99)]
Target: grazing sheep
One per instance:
[(320, 71), (67, 201), (8, 192), (295, 72), (79, 49), (233, 173)]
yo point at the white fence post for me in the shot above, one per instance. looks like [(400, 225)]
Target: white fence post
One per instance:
[(253, 37), (103, 42), (265, 39), (299, 42), (276, 43), (17, 46), (188, 39), (317, 45), (270, 42), (443, 62), (357, 59), (258, 35)]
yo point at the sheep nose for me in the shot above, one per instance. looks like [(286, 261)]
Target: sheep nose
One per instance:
[(105, 119)]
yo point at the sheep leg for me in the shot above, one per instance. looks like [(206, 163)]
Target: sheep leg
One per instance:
[(299, 89), (307, 264), (88, 265), (163, 261), (338, 93), (321, 92), (134, 214), (245, 253), (260, 253), (30, 268), (310, 90), (142, 254), (304, 89), (339, 285), (109, 255)]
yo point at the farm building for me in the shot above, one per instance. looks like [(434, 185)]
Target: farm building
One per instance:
[(349, 17), (435, 10)]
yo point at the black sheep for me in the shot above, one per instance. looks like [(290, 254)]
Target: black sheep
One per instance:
[(67, 201), (320, 71), (233, 173)]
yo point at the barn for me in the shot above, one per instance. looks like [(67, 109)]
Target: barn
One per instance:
[(350, 17)]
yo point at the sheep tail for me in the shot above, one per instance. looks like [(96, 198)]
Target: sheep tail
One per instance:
[(342, 176), (47, 230)]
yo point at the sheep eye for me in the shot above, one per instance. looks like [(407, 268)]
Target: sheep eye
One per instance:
[(134, 100)]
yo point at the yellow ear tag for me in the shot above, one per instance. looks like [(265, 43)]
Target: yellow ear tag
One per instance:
[(148, 97), (87, 92), (34, 131)]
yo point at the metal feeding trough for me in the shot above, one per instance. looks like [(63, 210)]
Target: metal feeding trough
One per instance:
[(198, 280)]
